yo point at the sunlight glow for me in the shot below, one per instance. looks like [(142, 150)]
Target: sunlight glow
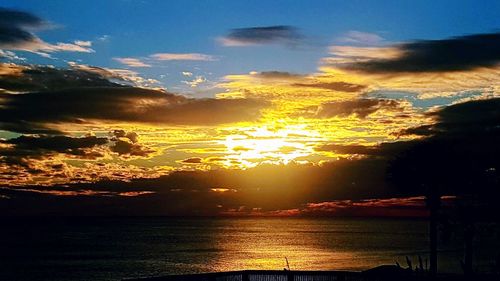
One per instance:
[(261, 144)]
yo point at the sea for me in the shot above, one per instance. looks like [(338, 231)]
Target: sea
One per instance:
[(100, 248)]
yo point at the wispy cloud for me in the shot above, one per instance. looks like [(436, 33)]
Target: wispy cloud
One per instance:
[(359, 37), (132, 62), (126, 76), (83, 43), (182, 56), (352, 54)]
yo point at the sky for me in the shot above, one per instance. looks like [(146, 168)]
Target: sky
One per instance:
[(246, 107)]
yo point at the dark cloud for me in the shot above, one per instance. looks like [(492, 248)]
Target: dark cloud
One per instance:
[(126, 148), (383, 150), (44, 78), (348, 149), (455, 54), (80, 96), (19, 151), (459, 163), (16, 33), (460, 153), (360, 107), (192, 160), (19, 18), (268, 187), (387, 207), (126, 144), (64, 144), (279, 75), (481, 117), (22, 150), (263, 35), (15, 26), (131, 136), (335, 86)]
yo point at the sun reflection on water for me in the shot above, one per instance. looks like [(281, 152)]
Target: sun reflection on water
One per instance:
[(307, 244)]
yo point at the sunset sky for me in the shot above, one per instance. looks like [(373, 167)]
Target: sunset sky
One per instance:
[(244, 108)]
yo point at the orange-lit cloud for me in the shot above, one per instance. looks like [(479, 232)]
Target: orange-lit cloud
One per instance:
[(267, 143), (390, 207)]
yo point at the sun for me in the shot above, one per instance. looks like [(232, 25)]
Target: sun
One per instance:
[(263, 145)]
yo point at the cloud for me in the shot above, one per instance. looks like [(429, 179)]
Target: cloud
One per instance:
[(123, 76), (14, 26), (386, 149), (182, 56), (360, 107), (334, 86), (346, 55), (477, 117), (52, 96), (278, 34), (377, 207), (9, 55), (83, 43), (455, 54), (104, 38), (459, 153), (359, 37), (131, 136), (47, 157), (22, 149), (67, 47), (349, 149), (119, 104), (81, 192), (126, 144), (43, 78), (196, 81), (16, 33), (19, 151), (127, 148), (267, 187), (132, 62), (192, 160), (277, 75), (343, 187)]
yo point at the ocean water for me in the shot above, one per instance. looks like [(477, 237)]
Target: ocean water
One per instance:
[(116, 248)]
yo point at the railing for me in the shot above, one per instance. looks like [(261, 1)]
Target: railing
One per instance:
[(262, 275)]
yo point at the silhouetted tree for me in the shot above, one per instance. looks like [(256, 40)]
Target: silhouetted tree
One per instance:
[(459, 155), (439, 166)]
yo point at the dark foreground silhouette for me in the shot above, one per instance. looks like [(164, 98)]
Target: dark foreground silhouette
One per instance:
[(381, 273)]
